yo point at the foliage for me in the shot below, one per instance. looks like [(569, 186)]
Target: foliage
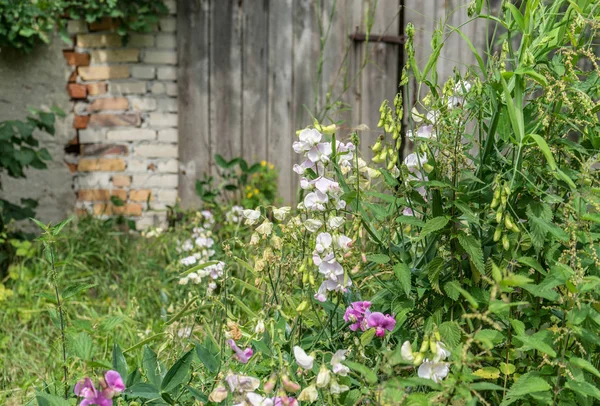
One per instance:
[(23, 24)]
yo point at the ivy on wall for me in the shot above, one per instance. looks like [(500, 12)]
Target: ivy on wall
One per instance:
[(25, 23)]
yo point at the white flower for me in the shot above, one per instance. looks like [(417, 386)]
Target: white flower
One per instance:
[(343, 242), (257, 400), (335, 222), (330, 268), (184, 280), (325, 185), (406, 352), (265, 228), (336, 388), (251, 216), (255, 239), (323, 242), (184, 332), (320, 152), (336, 363), (242, 383), (309, 137), (323, 377), (218, 394), (414, 161), (425, 131), (260, 327), (315, 201), (436, 371), (188, 261), (302, 359), (281, 213), (441, 352), (313, 225), (309, 394)]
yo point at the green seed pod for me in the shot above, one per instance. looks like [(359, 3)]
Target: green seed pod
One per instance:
[(424, 346), (505, 243), (499, 216), (377, 146), (504, 200), (497, 234), (508, 222), (495, 203)]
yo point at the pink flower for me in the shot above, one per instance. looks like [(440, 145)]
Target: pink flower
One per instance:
[(381, 323), (241, 355), (356, 314), (111, 385)]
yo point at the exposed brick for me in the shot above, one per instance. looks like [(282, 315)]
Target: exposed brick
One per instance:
[(76, 26), (73, 77), (104, 72), (163, 120), (128, 88), (143, 72), (76, 58), (115, 55), (92, 135), (99, 41), (158, 88), (143, 103), (157, 150), (140, 195), (101, 164), (111, 103), (167, 73), (168, 24), (161, 57), (95, 89), (154, 180), (131, 135), (168, 135), (172, 89), (169, 166), (169, 104), (114, 120), (93, 180), (103, 149), (77, 91), (100, 194), (166, 41), (121, 180), (105, 24), (81, 122), (168, 196), (128, 209), (136, 165), (141, 40), (172, 6)]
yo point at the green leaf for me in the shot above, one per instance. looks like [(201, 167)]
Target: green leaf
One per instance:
[(541, 143), (83, 346), (151, 367), (516, 15), (367, 373), (583, 388), (487, 373), (489, 338), (367, 337), (450, 333), (434, 224), (540, 341), (210, 362), (525, 385), (143, 390), (432, 270), (219, 160), (178, 372), (46, 399), (485, 386), (455, 286), (199, 396), (378, 258), (532, 263), (507, 369), (472, 247), (585, 365), (119, 362), (403, 274), (73, 290)]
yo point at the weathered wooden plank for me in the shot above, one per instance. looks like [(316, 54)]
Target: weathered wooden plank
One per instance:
[(280, 129), (193, 60), (380, 76), (226, 79), (254, 79)]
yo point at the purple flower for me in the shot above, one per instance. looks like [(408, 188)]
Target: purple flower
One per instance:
[(111, 385), (241, 355), (356, 314), (381, 323)]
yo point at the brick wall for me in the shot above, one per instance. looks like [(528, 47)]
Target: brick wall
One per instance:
[(125, 105)]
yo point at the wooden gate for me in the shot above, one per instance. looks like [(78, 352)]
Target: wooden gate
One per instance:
[(254, 71)]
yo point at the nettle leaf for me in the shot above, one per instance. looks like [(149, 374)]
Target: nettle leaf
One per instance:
[(403, 274), (487, 373), (540, 341), (489, 338), (378, 258), (433, 269), (450, 333), (472, 247), (433, 225), (83, 346), (583, 388), (528, 383), (585, 365)]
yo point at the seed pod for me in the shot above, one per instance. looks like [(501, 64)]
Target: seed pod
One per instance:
[(418, 359), (508, 222), (390, 165), (497, 234), (377, 146), (505, 243), (504, 200), (515, 228), (494, 203), (499, 216), (424, 346)]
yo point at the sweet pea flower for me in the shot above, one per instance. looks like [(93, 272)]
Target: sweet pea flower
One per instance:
[(406, 352), (313, 225), (336, 363), (414, 161), (241, 355), (325, 185), (265, 228), (340, 284), (218, 394), (335, 222), (315, 201), (381, 323), (330, 268), (323, 377), (441, 352), (302, 359), (112, 384), (320, 152), (251, 216), (323, 242), (188, 261), (309, 137), (309, 394), (436, 371), (242, 383), (85, 389), (356, 314), (336, 388), (343, 242), (281, 213)]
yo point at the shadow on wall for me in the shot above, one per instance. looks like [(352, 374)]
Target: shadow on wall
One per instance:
[(38, 80)]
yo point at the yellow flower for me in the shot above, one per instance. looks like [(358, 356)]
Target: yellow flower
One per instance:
[(263, 163), (249, 195), (256, 191), (271, 166)]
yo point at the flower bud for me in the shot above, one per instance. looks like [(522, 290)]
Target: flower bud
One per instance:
[(309, 394), (288, 385), (419, 357), (323, 377), (218, 394), (270, 384), (260, 327), (302, 306)]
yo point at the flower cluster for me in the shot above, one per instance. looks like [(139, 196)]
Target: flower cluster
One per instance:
[(324, 378), (243, 388), (110, 386), (432, 365), (362, 318), (234, 215)]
